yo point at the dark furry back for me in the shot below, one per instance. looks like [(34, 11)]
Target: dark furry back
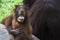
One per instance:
[(37, 16), (45, 19)]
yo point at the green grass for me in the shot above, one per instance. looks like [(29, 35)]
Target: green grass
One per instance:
[(6, 6)]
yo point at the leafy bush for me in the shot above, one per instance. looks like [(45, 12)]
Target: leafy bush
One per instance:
[(6, 6)]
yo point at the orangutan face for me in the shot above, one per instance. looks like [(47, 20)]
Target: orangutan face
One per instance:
[(20, 13)]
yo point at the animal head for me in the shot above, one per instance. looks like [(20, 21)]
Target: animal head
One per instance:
[(20, 13)]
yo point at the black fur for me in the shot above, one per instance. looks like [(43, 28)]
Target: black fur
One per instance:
[(28, 3), (45, 19)]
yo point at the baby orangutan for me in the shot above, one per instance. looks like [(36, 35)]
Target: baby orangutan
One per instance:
[(20, 22)]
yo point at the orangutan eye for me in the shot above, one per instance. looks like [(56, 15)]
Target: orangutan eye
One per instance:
[(18, 9)]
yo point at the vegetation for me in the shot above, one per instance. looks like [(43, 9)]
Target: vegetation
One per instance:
[(6, 6)]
